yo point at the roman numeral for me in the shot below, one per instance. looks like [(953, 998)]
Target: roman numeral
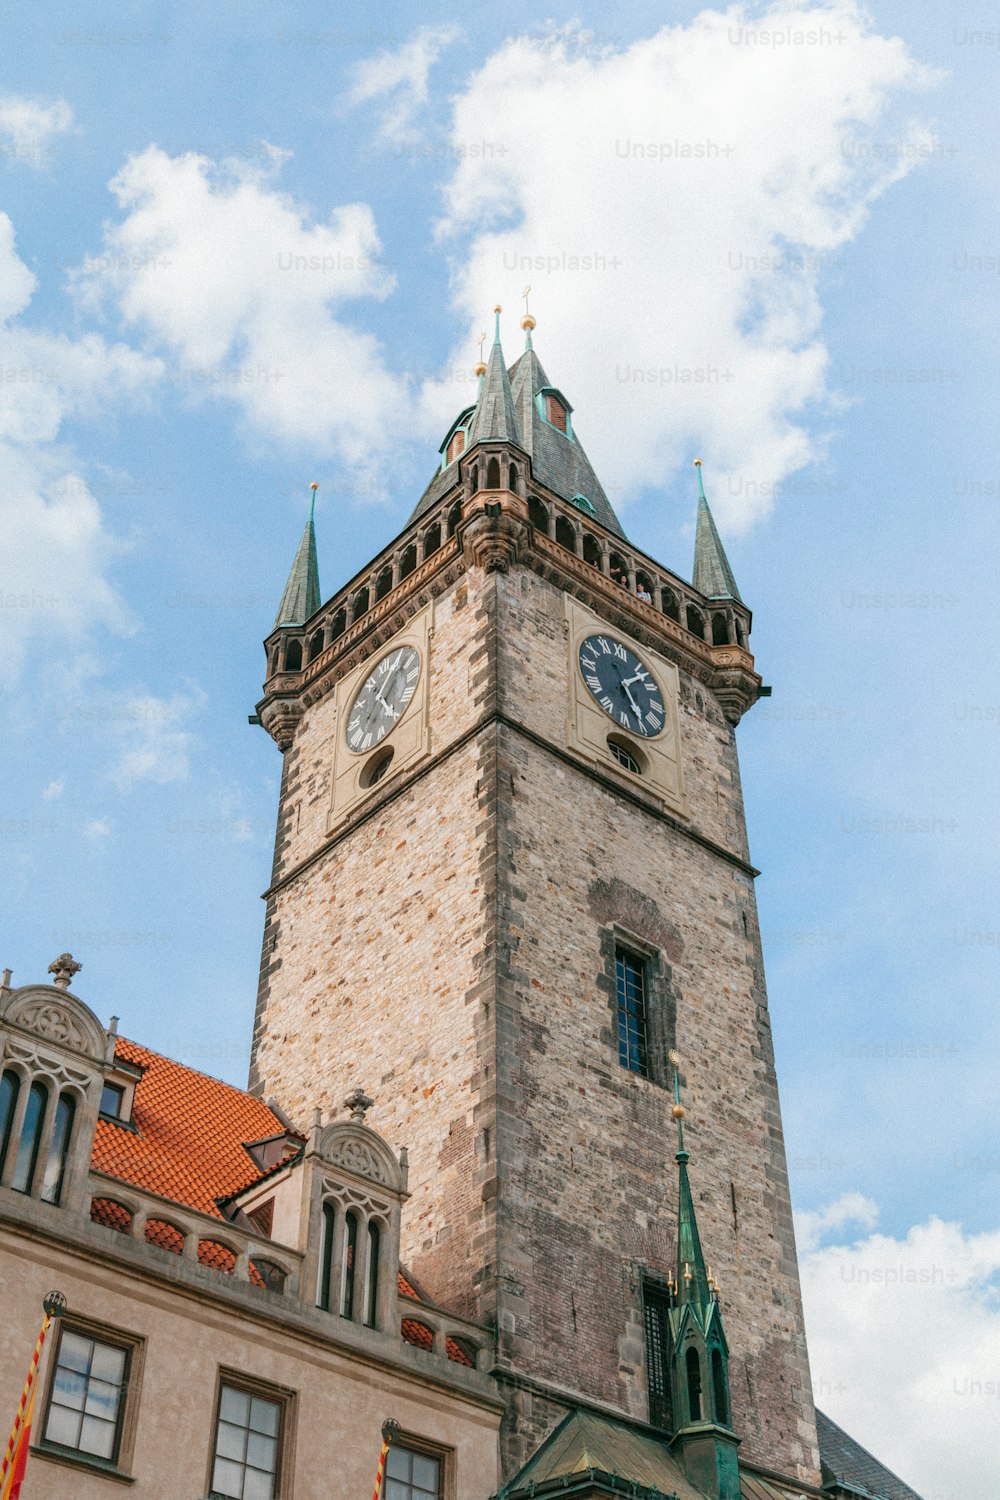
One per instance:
[(604, 645), (620, 651), (623, 717), (654, 721), (606, 703), (366, 742), (587, 664), (593, 681)]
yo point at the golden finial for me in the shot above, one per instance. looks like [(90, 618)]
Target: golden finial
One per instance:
[(527, 322), (314, 485), (677, 1112), (687, 1272), (697, 463), (497, 308), (480, 368)]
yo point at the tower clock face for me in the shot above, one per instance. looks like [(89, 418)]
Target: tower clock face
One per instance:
[(383, 699), (623, 686)]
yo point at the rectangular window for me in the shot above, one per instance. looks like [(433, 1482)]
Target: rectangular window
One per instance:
[(87, 1395), (412, 1476), (247, 1456), (656, 1318), (630, 980), (112, 1099)]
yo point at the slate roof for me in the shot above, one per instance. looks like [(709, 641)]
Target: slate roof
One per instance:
[(712, 576), (301, 598), (506, 409), (844, 1459)]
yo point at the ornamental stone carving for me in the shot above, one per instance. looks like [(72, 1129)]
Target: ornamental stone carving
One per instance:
[(49, 1012), (54, 1021), (358, 1150)]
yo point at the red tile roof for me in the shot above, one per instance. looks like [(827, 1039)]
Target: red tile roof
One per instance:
[(189, 1135)]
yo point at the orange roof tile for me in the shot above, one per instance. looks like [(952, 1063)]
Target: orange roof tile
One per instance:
[(188, 1142)]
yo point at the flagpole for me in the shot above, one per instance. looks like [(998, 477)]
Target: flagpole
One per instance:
[(15, 1460), (390, 1430)]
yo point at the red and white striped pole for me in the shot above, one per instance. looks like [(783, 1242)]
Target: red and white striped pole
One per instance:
[(15, 1459), (390, 1430)]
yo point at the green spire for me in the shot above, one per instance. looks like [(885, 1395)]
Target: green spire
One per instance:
[(494, 416), (301, 598), (713, 576), (692, 1274)]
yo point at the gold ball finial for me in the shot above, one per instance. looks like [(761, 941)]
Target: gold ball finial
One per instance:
[(677, 1112), (498, 308), (697, 463), (314, 485), (528, 323), (479, 369)]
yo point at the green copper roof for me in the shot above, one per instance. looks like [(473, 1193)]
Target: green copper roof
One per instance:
[(585, 1442), (713, 576), (692, 1273), (301, 598)]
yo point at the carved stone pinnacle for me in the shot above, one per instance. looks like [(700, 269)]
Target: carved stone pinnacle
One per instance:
[(64, 967), (358, 1102)]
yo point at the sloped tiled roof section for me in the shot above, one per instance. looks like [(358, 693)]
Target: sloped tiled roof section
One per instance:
[(190, 1129), (845, 1460)]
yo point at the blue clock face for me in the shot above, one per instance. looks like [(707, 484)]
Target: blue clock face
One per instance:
[(625, 688)]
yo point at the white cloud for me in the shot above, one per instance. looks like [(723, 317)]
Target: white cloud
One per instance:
[(811, 1225), (904, 1346), (647, 194), (217, 266), (54, 789), (97, 829), (27, 128), (154, 742), (401, 78), (55, 584)]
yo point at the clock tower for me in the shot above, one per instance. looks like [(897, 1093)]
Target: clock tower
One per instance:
[(511, 885)]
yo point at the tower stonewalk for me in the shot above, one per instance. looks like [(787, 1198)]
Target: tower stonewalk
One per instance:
[(512, 899)]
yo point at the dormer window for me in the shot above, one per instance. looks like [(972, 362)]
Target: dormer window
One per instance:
[(112, 1100), (555, 412), (455, 446), (582, 503), (118, 1093), (553, 407)]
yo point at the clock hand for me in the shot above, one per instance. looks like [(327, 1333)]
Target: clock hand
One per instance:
[(635, 707)]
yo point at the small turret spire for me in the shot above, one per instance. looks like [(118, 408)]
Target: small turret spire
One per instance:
[(301, 598), (712, 576), (494, 417), (692, 1272), (527, 322)]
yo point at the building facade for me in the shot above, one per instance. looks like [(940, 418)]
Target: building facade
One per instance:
[(512, 916)]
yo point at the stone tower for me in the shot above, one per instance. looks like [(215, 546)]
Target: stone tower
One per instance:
[(511, 874)]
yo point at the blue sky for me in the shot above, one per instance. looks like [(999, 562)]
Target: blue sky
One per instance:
[(246, 249)]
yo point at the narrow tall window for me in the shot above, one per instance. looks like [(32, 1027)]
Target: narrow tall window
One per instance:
[(10, 1087), (656, 1316), (371, 1292), (55, 1167), (350, 1258), (411, 1475), (87, 1401), (31, 1138), (324, 1290), (247, 1445), (719, 1389), (630, 979), (693, 1369)]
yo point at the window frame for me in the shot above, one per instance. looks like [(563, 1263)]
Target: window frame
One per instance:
[(414, 1442), (134, 1346), (284, 1398), (638, 961), (655, 1294), (662, 996)]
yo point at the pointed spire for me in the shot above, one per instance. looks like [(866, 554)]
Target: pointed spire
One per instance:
[(713, 576), (301, 598), (494, 416), (693, 1281), (527, 322)]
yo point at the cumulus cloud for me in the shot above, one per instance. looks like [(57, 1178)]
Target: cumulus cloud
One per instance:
[(811, 1225), (904, 1346), (675, 204), (55, 583), (28, 128), (400, 78), (154, 738), (218, 268)]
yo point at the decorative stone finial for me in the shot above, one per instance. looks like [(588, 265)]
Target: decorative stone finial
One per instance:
[(64, 967), (358, 1102), (5, 981)]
